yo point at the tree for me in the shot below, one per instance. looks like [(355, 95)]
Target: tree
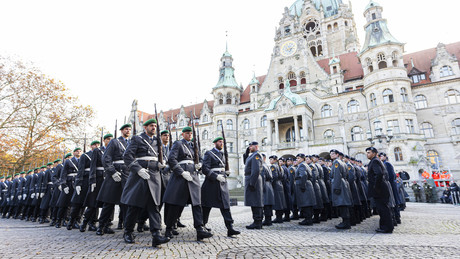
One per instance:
[(39, 118)]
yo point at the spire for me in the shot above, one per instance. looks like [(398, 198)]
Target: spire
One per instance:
[(226, 71)]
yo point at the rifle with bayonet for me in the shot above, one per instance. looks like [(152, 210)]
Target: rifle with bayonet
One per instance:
[(134, 123), (170, 136), (115, 132), (227, 166), (159, 144), (195, 144), (84, 145)]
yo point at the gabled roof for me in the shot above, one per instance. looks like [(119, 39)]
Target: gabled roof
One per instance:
[(172, 114), (349, 62), (245, 98)]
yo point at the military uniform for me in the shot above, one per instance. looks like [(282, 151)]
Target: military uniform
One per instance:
[(319, 199), (55, 176), (324, 192), (67, 179), (47, 190), (428, 189), (305, 193), (6, 197), (355, 209), (341, 193), (82, 183), (253, 188), (278, 188), (295, 209), (269, 195), (287, 192), (417, 192)]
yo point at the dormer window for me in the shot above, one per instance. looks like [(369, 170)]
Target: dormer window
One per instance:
[(418, 78), (374, 16), (446, 71), (287, 30)]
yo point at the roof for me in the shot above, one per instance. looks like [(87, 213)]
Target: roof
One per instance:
[(245, 98), (377, 33), (174, 112), (371, 4), (293, 97), (349, 62), (330, 7)]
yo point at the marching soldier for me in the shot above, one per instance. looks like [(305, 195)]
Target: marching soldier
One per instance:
[(115, 179), (3, 190), (21, 202), (286, 189), (305, 193), (185, 178), (341, 194), (361, 191), (291, 168), (14, 202), (269, 195), (322, 187), (319, 199), (253, 187), (38, 194), (143, 187), (214, 192), (6, 196), (327, 182), (278, 189), (47, 190), (355, 209), (428, 189), (83, 192), (55, 176)]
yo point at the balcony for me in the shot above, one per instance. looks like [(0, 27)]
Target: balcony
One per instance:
[(325, 142)]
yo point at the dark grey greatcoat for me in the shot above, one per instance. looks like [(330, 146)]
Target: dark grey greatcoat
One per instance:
[(322, 184), (38, 188), (291, 170), (180, 191), (136, 188), (267, 179), (165, 172), (110, 190), (55, 175), (341, 194), (47, 189), (214, 193), (378, 184), (29, 188), (352, 182), (67, 179), (305, 194), (359, 184), (96, 175), (278, 178), (286, 187), (82, 178), (253, 186), (21, 189), (314, 180)]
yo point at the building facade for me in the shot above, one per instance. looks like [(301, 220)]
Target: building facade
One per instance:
[(325, 90)]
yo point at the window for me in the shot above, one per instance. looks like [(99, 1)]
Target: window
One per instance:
[(326, 111), (418, 78), (433, 157), (263, 121), (357, 134), (388, 96), (373, 100), (264, 141), (404, 95), (336, 26), (281, 83), (452, 96), (229, 125), (456, 126), (353, 106), (221, 99), (230, 147), (205, 135), (420, 101), (219, 125), (369, 65), (290, 135), (181, 123), (446, 71), (394, 57), (329, 27), (246, 143), (427, 129), (410, 126), (205, 118), (329, 135), (292, 79), (228, 99), (394, 125), (245, 124), (378, 127), (303, 79), (374, 16), (381, 60), (398, 154)]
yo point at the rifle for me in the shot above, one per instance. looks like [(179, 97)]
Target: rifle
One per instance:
[(159, 142), (115, 132), (170, 137), (227, 166), (84, 144), (134, 123), (195, 145), (102, 136)]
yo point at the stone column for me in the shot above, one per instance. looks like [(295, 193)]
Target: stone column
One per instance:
[(305, 127), (296, 129), (269, 132), (277, 133)]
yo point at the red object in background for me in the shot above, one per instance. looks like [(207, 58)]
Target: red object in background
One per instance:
[(436, 177), (425, 175)]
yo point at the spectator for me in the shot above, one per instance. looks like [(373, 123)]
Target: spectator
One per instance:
[(445, 198), (454, 189)]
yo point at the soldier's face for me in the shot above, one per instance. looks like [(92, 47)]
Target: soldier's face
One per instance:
[(383, 158), (77, 153), (370, 154), (299, 160), (308, 160), (187, 135), (272, 161), (333, 155), (150, 129), (106, 141), (94, 146), (126, 132), (289, 162), (219, 144), (253, 148), (165, 138)]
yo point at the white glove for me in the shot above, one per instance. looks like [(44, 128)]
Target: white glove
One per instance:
[(60, 188), (143, 173), (78, 189), (32, 196), (227, 173), (7, 199), (161, 165), (198, 166), (24, 196), (187, 176), (41, 195), (116, 177), (66, 190), (12, 197), (93, 186), (221, 178)]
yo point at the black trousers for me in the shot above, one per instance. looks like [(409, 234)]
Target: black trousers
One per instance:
[(307, 212), (90, 214), (62, 213), (132, 215), (344, 212), (257, 213), (386, 220), (75, 212), (226, 214), (174, 212), (106, 213), (268, 212)]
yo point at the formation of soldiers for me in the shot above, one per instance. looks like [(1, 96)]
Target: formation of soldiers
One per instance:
[(141, 174), (315, 189)]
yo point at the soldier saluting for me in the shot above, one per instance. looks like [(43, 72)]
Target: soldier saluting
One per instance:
[(143, 187)]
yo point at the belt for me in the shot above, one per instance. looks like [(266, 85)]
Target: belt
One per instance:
[(87, 169), (71, 175), (100, 168), (50, 183), (147, 158), (186, 162), (119, 162), (217, 170)]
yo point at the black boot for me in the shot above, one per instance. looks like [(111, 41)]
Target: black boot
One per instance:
[(286, 216), (206, 228), (70, 225), (344, 225), (295, 215), (267, 222), (140, 227), (169, 233), (58, 223), (158, 239), (129, 237), (201, 233), (180, 225), (256, 225), (306, 222), (100, 230), (92, 227), (108, 230), (230, 230), (53, 223), (120, 225), (83, 225)]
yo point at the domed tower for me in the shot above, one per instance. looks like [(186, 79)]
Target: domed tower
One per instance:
[(386, 87)]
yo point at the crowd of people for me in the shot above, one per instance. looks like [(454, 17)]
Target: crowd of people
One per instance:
[(145, 173)]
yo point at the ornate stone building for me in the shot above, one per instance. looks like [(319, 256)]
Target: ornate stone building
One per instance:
[(325, 90)]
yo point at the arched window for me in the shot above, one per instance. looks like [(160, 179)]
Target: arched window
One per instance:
[(245, 124), (452, 96), (336, 26), (353, 106), (326, 111), (398, 154), (228, 100), (205, 134), (404, 96), (433, 157), (291, 75), (329, 135), (446, 71), (303, 79), (394, 57), (427, 129), (329, 28), (388, 96), (219, 125), (292, 79), (281, 83), (181, 123), (381, 60), (263, 121), (246, 143), (205, 118), (373, 100), (357, 134), (346, 23), (420, 101), (456, 126), (229, 124), (370, 67), (290, 135), (221, 99), (264, 141)]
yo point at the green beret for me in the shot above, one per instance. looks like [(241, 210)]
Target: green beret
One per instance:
[(30, 171), (22, 172), (43, 166), (149, 122), (76, 149), (108, 136), (164, 132), (1, 177), (36, 168), (68, 155), (16, 174), (217, 139), (49, 163), (9, 176), (187, 129), (95, 142), (127, 125), (57, 160)]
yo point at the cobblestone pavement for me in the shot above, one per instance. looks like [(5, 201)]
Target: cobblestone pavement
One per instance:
[(428, 231)]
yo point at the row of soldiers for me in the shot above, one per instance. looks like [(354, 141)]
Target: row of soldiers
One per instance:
[(142, 174), (320, 189)]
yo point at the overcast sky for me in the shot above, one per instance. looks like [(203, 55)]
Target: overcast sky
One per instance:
[(111, 52)]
